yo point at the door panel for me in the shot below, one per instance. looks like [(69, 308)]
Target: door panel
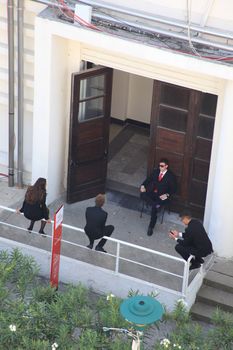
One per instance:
[(200, 170), (182, 124), (89, 132), (91, 151), (91, 173), (170, 140), (203, 149)]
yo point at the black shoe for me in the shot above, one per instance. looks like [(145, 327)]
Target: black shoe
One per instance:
[(100, 249), (42, 233), (90, 246), (194, 265), (150, 231)]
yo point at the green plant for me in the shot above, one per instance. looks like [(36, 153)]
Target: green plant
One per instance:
[(108, 312), (221, 336), (35, 316), (133, 293)]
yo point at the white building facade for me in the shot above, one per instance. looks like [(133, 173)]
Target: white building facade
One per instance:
[(54, 49)]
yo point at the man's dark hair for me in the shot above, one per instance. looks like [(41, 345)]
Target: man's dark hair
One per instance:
[(164, 160), (186, 213), (99, 200)]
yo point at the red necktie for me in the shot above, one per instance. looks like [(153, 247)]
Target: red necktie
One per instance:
[(160, 176)]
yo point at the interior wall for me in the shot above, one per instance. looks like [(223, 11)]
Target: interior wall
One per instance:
[(120, 92), (140, 98), (131, 97)]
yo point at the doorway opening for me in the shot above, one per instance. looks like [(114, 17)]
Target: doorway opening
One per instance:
[(129, 137), (146, 120), (128, 154)]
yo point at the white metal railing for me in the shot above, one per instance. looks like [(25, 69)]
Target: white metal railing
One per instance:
[(118, 257)]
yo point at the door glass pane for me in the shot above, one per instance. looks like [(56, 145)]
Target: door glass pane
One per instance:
[(208, 105), (206, 127), (175, 96), (92, 86), (173, 119), (90, 109)]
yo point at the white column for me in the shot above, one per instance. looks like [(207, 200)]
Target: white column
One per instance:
[(221, 213), (53, 68), (41, 112)]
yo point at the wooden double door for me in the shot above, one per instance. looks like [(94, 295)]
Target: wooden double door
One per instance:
[(182, 125), (181, 129)]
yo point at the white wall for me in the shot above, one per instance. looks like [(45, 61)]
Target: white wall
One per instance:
[(221, 218), (137, 59), (55, 59), (131, 97), (219, 15), (140, 98), (120, 93)]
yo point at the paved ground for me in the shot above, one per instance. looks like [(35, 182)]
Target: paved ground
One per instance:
[(129, 227)]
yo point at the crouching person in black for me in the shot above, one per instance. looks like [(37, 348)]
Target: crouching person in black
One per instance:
[(194, 241), (95, 227)]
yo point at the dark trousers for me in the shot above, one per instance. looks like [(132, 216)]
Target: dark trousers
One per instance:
[(185, 252), (152, 198), (108, 230)]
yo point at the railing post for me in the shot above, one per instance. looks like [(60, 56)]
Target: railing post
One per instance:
[(117, 257), (186, 276)]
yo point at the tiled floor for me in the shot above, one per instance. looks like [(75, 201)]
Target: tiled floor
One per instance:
[(127, 165), (128, 159)]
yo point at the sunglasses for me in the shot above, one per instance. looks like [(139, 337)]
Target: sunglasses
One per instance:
[(162, 165)]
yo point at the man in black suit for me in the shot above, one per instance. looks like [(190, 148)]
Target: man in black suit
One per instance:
[(156, 189), (194, 241), (95, 224)]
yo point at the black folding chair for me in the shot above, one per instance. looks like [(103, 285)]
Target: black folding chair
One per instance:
[(161, 208)]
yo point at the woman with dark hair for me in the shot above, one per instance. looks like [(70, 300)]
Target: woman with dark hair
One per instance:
[(34, 207)]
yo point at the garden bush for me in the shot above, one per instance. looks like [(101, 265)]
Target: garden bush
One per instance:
[(35, 316)]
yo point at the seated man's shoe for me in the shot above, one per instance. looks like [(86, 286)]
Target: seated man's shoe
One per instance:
[(150, 231), (90, 246), (100, 249), (194, 265)]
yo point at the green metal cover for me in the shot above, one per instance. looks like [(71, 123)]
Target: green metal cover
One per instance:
[(141, 310)]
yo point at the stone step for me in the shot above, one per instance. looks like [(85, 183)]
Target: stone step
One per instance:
[(202, 312), (212, 296), (219, 281)]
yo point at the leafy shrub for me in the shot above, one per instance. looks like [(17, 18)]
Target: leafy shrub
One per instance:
[(37, 317)]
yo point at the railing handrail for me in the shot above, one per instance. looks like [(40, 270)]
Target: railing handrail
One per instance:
[(144, 248), (148, 250), (119, 242)]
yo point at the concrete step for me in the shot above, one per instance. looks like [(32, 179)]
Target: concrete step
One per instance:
[(216, 297), (122, 187), (202, 312), (219, 281)]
